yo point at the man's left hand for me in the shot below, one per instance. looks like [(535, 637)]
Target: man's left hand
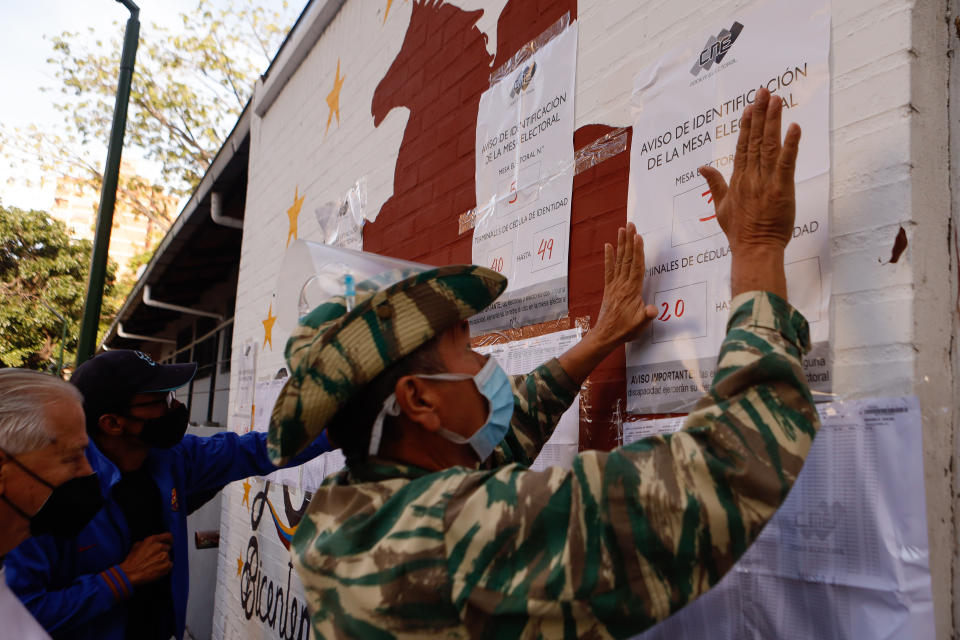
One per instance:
[(623, 313)]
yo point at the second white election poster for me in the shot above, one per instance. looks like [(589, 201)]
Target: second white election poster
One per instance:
[(686, 113), (524, 177)]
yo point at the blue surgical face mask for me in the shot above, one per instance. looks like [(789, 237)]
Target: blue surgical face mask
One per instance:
[(493, 384)]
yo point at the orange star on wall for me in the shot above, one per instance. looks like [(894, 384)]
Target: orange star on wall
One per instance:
[(387, 12), (268, 328), (293, 214), (333, 98), (246, 493)]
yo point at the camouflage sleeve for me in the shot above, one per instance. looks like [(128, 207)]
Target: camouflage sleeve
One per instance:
[(628, 537), (539, 399)]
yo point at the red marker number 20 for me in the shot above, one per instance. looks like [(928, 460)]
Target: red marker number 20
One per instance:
[(678, 309)]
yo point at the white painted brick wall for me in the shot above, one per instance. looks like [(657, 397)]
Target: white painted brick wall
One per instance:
[(889, 159)]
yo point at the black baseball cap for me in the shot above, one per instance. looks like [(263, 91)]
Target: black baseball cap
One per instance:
[(109, 379)]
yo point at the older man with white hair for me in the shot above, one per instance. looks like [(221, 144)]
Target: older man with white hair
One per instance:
[(46, 483)]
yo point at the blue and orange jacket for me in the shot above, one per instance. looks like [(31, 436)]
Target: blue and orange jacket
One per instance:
[(75, 587)]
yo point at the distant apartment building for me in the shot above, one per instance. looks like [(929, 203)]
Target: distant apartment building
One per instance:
[(75, 203)]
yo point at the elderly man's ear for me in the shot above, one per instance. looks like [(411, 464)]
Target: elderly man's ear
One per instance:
[(418, 402)]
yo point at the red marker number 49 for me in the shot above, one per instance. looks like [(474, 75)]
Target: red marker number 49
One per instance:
[(546, 249)]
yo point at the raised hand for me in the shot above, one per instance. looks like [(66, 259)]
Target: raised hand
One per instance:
[(756, 210), (623, 313)]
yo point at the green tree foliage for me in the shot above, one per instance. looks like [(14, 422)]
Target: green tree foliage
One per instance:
[(189, 87), (43, 278)]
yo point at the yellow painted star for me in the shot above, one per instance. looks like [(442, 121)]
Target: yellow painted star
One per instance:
[(268, 327), (293, 214), (246, 493), (333, 98), (239, 566), (387, 12)]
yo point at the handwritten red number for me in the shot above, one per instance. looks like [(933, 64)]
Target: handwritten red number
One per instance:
[(546, 249), (709, 200), (678, 310), (666, 312)]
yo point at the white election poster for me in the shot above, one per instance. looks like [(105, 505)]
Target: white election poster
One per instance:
[(687, 109), (846, 556), (524, 178), (523, 356)]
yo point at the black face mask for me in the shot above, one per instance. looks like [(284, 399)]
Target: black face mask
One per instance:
[(67, 510), (165, 431)]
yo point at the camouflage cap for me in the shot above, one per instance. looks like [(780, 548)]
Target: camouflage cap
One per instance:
[(334, 353)]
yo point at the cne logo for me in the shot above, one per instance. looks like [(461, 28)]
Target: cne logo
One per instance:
[(523, 79), (716, 48), (145, 358), (174, 502)]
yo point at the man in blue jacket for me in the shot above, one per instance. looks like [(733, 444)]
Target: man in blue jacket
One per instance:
[(125, 575)]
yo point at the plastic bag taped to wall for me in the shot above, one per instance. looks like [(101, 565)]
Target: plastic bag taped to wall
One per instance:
[(312, 273), (341, 221)]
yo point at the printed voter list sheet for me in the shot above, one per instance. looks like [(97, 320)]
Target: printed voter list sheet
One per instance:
[(846, 556), (265, 396), (686, 113), (524, 181), (523, 356)]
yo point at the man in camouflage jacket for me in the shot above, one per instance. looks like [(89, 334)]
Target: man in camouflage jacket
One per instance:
[(423, 540)]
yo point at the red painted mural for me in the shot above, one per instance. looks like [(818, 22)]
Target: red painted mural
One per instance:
[(440, 73)]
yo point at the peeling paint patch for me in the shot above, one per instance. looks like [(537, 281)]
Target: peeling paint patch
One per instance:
[(899, 245)]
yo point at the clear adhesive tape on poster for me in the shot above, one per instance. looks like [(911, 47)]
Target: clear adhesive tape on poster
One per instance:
[(586, 157), (527, 50)]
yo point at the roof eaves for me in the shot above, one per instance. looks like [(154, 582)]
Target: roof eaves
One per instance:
[(223, 158), (306, 31)]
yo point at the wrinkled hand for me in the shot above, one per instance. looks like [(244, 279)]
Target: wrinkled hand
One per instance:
[(757, 210), (149, 559), (623, 313)]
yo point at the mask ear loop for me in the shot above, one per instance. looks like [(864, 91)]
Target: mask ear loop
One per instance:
[(29, 472), (392, 408), (23, 514)]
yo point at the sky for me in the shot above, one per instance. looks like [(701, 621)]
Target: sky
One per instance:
[(25, 71)]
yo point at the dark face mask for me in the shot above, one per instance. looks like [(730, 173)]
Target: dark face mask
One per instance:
[(67, 510), (165, 431)]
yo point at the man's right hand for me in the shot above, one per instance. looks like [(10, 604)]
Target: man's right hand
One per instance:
[(756, 211), (149, 559)]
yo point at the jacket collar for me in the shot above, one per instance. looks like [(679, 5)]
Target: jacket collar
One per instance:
[(106, 471)]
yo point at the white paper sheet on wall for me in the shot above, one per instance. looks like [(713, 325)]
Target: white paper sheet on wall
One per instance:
[(316, 471), (687, 108), (264, 397), (524, 182), (846, 556), (633, 431), (246, 377), (523, 356)]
